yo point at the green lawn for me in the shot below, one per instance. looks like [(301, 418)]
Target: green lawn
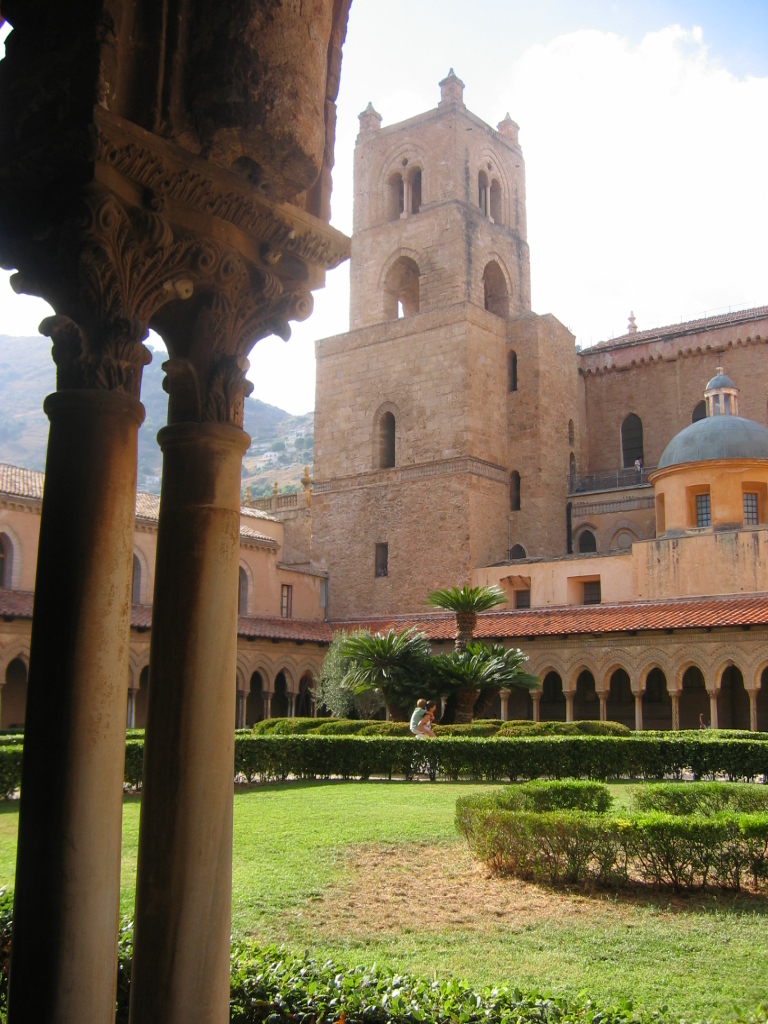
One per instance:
[(374, 871)]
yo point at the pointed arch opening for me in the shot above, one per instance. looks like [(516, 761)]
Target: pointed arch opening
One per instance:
[(620, 706), (387, 440), (6, 562), (401, 288), (482, 192), (14, 702), (586, 705), (242, 591), (587, 542), (415, 183), (657, 703), (495, 294), (552, 705)]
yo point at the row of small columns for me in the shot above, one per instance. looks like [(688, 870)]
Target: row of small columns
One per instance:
[(638, 690), (266, 696)]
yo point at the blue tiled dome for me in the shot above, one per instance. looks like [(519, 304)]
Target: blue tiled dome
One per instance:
[(717, 437), (721, 380)]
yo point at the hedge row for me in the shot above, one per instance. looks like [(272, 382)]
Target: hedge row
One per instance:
[(644, 755), (482, 727), (536, 832)]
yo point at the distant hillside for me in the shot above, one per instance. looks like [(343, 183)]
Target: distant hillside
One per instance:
[(28, 374)]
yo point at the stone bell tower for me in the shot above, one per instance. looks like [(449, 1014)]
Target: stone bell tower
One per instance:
[(429, 411)]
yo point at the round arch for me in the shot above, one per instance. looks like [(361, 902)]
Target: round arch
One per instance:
[(143, 587), (384, 447), (13, 580)]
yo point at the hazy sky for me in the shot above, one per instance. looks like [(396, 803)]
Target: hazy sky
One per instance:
[(643, 126)]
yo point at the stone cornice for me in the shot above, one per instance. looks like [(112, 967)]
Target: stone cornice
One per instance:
[(419, 471)]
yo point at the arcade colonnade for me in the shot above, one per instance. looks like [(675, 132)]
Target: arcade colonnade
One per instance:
[(147, 181)]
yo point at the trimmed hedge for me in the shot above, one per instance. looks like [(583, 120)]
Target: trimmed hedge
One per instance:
[(642, 755), (556, 843), (482, 727)]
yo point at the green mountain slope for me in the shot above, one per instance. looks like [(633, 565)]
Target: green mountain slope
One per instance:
[(28, 374)]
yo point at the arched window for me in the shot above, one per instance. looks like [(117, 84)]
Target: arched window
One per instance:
[(386, 441), (395, 197), (401, 286), (496, 201), (416, 190), (587, 542), (699, 411), (572, 469), (511, 370), (6, 562), (516, 551), (242, 591), (571, 432), (514, 491), (136, 581), (482, 192), (496, 297), (631, 440)]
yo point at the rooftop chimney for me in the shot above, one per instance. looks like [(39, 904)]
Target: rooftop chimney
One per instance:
[(508, 129), (631, 326), (370, 120), (451, 91)]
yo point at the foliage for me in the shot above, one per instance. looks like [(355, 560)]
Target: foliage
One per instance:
[(467, 600), (10, 768), (560, 832), (705, 798), (586, 727), (332, 693), (395, 664), (481, 667)]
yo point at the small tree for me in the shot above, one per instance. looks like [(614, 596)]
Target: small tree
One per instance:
[(466, 603), (397, 665), (334, 695), (464, 674)]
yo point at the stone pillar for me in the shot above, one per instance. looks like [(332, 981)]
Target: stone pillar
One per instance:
[(267, 699), (603, 698), (291, 704), (569, 700), (242, 697), (638, 712), (67, 891), (504, 699), (675, 698), (536, 699), (183, 894), (713, 711), (130, 718), (752, 710)]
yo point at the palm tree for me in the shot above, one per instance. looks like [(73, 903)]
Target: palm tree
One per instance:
[(466, 673), (465, 603), (396, 664)]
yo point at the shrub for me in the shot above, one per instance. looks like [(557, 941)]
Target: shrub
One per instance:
[(537, 832), (582, 728), (10, 768), (705, 798)]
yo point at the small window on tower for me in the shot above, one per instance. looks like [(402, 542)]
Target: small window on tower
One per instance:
[(286, 601), (382, 560)]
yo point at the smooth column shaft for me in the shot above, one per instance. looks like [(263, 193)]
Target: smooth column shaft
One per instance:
[(184, 886), (66, 906)]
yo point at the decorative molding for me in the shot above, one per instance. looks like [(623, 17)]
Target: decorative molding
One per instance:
[(442, 467), (598, 508)]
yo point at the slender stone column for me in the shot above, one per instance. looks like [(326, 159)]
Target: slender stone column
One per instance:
[(241, 713), (183, 899), (675, 698), (504, 700), (66, 905), (638, 712), (130, 718), (569, 699), (267, 699), (752, 710), (603, 698), (291, 705), (713, 711), (536, 699)]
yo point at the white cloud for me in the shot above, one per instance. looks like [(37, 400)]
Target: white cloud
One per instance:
[(645, 171)]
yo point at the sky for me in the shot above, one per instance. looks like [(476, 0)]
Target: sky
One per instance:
[(642, 124)]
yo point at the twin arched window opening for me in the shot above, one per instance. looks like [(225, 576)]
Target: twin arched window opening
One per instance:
[(489, 197), (404, 193), (387, 441), (631, 441)]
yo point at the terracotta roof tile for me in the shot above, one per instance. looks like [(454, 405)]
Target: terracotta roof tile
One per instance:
[(687, 613), (147, 506), (26, 483), (251, 534), (272, 627), (706, 323)]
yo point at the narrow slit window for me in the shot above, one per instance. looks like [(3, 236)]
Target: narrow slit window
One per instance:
[(514, 492), (286, 601), (382, 560)]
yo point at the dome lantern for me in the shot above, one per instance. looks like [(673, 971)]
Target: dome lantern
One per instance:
[(721, 395)]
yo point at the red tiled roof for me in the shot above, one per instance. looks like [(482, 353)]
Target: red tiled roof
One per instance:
[(26, 483), (686, 613), (272, 627), (706, 323)]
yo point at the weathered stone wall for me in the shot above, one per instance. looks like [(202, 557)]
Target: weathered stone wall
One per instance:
[(663, 380)]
